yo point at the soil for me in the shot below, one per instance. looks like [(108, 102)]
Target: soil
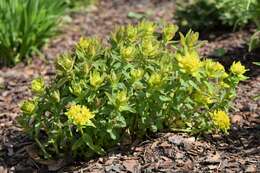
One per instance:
[(165, 152)]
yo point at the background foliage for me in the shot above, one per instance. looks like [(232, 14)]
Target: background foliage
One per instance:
[(201, 14), (25, 25), (79, 3), (254, 10)]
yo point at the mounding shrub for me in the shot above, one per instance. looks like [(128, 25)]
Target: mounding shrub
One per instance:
[(25, 25), (140, 83)]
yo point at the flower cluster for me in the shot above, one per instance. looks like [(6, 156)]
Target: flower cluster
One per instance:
[(28, 107), (203, 98), (237, 68), (80, 115), (137, 74), (128, 53), (96, 79), (221, 120), (155, 80), (189, 63), (214, 69), (38, 86)]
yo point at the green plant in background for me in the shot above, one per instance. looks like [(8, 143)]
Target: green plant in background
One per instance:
[(254, 10), (136, 85), (196, 14), (207, 14), (234, 13), (257, 97), (204, 15), (25, 25), (79, 3)]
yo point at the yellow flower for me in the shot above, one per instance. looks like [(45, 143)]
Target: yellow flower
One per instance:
[(189, 63), (137, 74), (80, 115), (147, 28), (237, 68), (128, 53), (169, 32), (224, 85), (155, 80), (28, 107), (214, 69), (55, 95), (121, 98), (96, 79), (83, 43), (203, 98), (221, 120), (149, 48), (38, 86), (76, 88), (132, 32), (190, 39), (89, 45), (114, 78), (65, 63), (86, 68)]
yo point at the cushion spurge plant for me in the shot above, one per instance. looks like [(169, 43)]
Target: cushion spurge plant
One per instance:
[(140, 83)]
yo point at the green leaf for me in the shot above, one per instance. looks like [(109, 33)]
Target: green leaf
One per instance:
[(164, 98), (120, 121), (111, 98), (254, 41), (77, 144), (112, 133), (88, 141), (256, 63), (134, 15), (220, 52), (194, 85), (127, 108), (91, 124), (153, 128)]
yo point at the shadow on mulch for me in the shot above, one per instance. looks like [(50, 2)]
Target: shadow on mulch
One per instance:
[(13, 152), (239, 140), (15, 156)]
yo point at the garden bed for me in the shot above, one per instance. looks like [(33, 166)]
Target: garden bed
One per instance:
[(166, 152)]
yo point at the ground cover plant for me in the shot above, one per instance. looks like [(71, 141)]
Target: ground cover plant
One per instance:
[(141, 82), (25, 25)]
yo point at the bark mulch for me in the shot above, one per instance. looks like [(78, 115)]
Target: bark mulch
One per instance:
[(165, 152)]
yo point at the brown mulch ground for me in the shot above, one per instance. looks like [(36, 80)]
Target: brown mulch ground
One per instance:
[(165, 152)]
